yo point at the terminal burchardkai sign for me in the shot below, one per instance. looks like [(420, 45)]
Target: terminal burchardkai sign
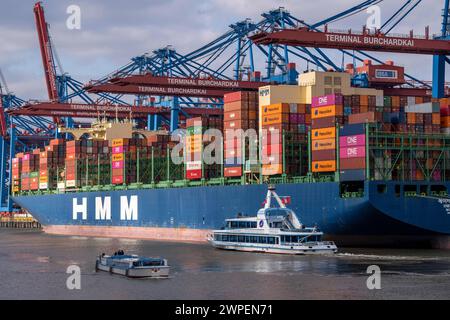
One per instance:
[(355, 41)]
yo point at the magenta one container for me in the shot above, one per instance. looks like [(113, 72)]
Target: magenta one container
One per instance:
[(117, 164), (352, 152), (329, 100), (352, 141)]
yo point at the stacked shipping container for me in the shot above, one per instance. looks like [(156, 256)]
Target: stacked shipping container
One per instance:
[(352, 152), (30, 172), (283, 132), (50, 161), (326, 114), (194, 148), (16, 172), (240, 115)]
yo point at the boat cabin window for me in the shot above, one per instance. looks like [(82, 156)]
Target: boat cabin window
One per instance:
[(241, 224), (246, 239), (296, 239)]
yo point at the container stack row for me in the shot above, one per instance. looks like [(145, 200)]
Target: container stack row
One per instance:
[(283, 132), (326, 114), (240, 115)]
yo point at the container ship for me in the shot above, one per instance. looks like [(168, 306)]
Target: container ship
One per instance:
[(368, 166)]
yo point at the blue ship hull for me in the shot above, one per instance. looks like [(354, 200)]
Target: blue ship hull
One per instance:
[(383, 216)]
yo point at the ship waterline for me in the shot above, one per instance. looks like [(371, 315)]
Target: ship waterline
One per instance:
[(379, 216)]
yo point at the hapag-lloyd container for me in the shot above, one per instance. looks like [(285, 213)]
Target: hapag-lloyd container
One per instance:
[(352, 141), (325, 133), (352, 152), (323, 166), (329, 100), (324, 144), (327, 111)]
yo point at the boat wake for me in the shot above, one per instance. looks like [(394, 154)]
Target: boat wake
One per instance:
[(386, 257)]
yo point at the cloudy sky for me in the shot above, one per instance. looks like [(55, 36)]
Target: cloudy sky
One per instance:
[(113, 31)]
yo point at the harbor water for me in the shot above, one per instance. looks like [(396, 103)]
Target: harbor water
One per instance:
[(34, 266)]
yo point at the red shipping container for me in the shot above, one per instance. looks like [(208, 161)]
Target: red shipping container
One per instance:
[(232, 172), (71, 176), (194, 122), (272, 149), (236, 96), (352, 163), (324, 155), (236, 106), (117, 180), (193, 174), (233, 153)]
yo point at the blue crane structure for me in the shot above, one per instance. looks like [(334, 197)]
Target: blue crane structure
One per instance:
[(231, 56)]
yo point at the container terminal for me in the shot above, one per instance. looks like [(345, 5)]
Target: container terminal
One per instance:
[(362, 149)]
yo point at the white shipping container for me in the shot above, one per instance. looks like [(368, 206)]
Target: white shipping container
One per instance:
[(411, 101), (71, 183), (293, 107), (445, 131), (380, 101), (43, 186), (193, 165), (428, 107)]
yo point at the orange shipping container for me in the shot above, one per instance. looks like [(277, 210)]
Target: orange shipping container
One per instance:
[(328, 111), (324, 166), (324, 144), (445, 122), (118, 142), (325, 133), (275, 109), (117, 157), (272, 169), (364, 100), (275, 119), (411, 118), (395, 101), (436, 118)]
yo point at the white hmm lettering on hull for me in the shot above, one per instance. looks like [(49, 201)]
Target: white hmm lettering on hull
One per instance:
[(103, 209)]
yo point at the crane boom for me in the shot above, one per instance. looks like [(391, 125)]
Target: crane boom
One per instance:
[(46, 52)]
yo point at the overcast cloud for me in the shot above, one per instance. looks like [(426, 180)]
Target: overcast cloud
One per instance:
[(113, 31)]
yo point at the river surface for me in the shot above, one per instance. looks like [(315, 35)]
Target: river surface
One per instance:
[(33, 265)]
